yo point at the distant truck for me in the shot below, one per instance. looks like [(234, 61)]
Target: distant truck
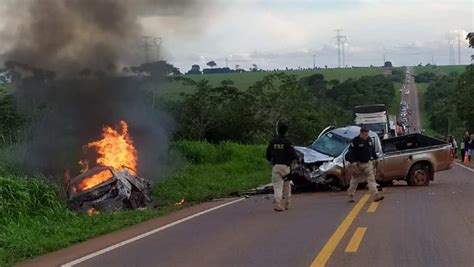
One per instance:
[(373, 117), (414, 158)]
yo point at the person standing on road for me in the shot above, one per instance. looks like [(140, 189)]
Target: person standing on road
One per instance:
[(471, 148), (362, 154), (281, 153), (465, 140), (453, 144)]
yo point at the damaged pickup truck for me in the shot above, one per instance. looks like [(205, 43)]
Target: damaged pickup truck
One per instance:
[(413, 158)]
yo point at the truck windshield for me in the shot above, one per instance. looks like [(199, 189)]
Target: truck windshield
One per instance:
[(330, 144), (379, 128)]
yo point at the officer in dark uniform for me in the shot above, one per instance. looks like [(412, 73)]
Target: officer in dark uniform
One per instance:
[(281, 153), (364, 162)]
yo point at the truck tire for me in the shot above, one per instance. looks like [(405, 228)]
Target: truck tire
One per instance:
[(419, 175)]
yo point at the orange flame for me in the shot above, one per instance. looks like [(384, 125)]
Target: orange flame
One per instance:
[(92, 211), (116, 149), (94, 180), (179, 203)]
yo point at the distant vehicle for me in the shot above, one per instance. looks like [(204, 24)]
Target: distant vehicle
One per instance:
[(373, 117), (414, 158)]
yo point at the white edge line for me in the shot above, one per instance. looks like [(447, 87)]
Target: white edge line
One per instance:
[(465, 167), (138, 237)]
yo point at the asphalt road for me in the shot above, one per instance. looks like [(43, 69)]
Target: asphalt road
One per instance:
[(411, 98), (414, 226)]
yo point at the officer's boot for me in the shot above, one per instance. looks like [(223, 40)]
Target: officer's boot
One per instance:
[(286, 203), (278, 206), (377, 197)]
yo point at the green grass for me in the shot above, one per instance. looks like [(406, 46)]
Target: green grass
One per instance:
[(441, 70), (34, 219), (244, 80), (424, 116), (215, 171)]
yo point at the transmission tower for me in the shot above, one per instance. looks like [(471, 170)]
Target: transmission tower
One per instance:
[(459, 47), (451, 53), (341, 40), (150, 43)]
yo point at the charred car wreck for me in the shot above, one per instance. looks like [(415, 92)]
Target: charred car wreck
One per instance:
[(105, 189), (413, 158)]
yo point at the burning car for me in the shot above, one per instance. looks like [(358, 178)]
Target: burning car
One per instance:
[(104, 189), (113, 184)]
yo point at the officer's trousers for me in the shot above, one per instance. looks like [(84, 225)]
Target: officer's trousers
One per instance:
[(361, 173), (281, 188)]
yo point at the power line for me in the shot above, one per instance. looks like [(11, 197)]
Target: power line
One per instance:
[(459, 48)]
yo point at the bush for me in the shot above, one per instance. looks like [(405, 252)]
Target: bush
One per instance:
[(216, 171)]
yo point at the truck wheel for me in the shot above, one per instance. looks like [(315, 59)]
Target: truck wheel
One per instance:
[(419, 175)]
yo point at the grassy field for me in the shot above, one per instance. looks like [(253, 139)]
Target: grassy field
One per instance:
[(244, 80), (441, 70), (34, 219)]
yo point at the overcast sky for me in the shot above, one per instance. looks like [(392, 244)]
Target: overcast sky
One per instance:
[(286, 33)]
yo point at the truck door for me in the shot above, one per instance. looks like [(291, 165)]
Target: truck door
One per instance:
[(378, 151)]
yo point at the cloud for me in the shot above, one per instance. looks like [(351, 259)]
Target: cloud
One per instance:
[(290, 32)]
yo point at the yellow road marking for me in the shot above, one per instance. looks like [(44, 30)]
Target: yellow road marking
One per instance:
[(337, 236), (353, 245), (373, 207)]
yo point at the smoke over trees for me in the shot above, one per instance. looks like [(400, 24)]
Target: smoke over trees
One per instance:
[(65, 55)]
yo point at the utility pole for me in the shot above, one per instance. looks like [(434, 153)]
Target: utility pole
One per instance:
[(340, 39), (344, 39), (226, 62), (314, 62)]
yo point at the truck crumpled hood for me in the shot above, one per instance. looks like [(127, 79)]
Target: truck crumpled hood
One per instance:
[(311, 156)]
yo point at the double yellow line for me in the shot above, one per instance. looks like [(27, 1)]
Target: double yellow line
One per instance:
[(337, 236)]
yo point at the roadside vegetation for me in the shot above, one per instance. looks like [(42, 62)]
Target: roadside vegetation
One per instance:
[(245, 80), (445, 109)]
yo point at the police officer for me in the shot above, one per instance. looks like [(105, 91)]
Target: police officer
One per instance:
[(281, 153), (362, 154)]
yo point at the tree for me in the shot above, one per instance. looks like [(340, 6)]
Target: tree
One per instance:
[(387, 64), (470, 37), (227, 82), (158, 70), (195, 69), (465, 91), (211, 64), (10, 121), (254, 67)]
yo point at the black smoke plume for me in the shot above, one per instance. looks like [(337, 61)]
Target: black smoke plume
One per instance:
[(67, 53)]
